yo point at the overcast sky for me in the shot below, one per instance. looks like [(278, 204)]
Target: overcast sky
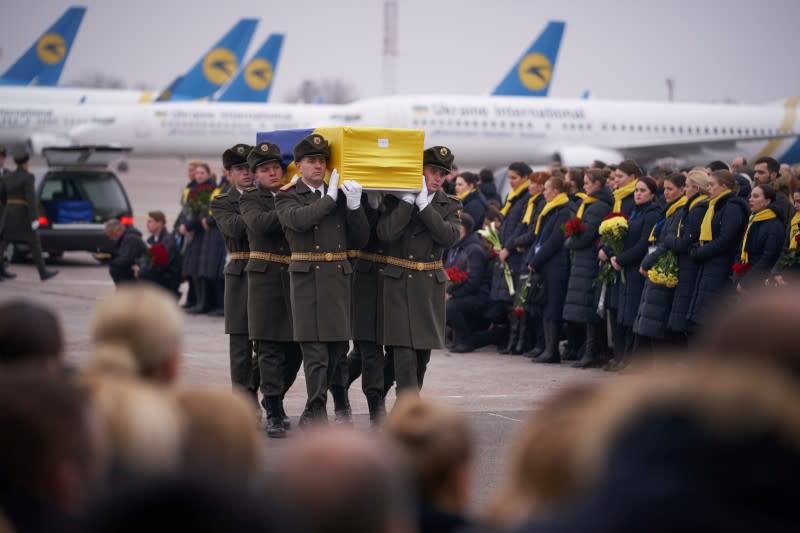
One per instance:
[(745, 51)]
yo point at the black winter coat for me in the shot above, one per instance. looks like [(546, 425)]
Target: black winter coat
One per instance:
[(641, 221), (193, 247), (656, 304), (550, 258), (469, 256), (489, 191), (615, 291), (128, 249), (475, 206), (687, 266), (212, 254), (764, 247), (582, 290), (511, 227), (717, 256)]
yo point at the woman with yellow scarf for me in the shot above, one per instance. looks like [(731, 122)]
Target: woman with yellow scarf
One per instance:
[(763, 238), (549, 258), (688, 234), (650, 325), (789, 272), (720, 234), (472, 200)]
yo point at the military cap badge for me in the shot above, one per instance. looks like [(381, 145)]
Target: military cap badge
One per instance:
[(443, 151)]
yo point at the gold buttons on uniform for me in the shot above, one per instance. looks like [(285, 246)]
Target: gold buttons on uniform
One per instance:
[(420, 266), (328, 257)]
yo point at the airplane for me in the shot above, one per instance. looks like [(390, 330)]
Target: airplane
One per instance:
[(533, 72), (253, 82), (43, 62), (218, 65), (481, 130)]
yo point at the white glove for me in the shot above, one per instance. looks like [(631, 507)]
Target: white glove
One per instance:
[(422, 198), (374, 198), (333, 185), (35, 225), (352, 190), (409, 197)]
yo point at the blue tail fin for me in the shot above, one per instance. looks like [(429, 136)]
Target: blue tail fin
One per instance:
[(44, 60), (218, 65), (253, 83), (532, 73), (166, 94)]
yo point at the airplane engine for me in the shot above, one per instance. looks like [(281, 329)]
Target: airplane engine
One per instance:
[(584, 155)]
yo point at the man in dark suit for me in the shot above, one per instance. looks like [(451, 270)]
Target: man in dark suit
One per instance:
[(321, 226)]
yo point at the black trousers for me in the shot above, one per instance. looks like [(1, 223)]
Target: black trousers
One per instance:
[(462, 313), (409, 367), (35, 245), (121, 274), (244, 367), (278, 364), (324, 364)]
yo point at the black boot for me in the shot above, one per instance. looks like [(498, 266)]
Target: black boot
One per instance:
[(590, 358), (341, 406), (201, 296), (287, 424), (551, 334), (377, 410), (315, 414), (513, 334), (4, 273), (522, 334), (535, 324), (275, 429)]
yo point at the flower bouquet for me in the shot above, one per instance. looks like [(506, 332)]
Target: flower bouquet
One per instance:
[(613, 231), (491, 236), (521, 301), (456, 275), (790, 257), (156, 255), (739, 270), (665, 271), (199, 199), (573, 227)]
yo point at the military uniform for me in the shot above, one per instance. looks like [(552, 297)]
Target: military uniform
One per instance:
[(20, 212), (320, 230), (225, 209), (269, 310), (413, 279)]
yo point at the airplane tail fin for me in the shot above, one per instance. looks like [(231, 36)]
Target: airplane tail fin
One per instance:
[(533, 71), (166, 94), (217, 66), (253, 83), (44, 60)]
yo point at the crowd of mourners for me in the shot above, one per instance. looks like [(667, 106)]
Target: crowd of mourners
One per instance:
[(119, 444), (614, 260)]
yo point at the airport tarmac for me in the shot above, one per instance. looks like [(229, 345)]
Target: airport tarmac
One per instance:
[(497, 392)]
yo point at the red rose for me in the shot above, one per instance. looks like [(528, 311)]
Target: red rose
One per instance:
[(574, 227), (519, 311), (159, 255), (456, 275), (797, 237), (740, 269)]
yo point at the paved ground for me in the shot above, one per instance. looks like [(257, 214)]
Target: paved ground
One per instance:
[(496, 391)]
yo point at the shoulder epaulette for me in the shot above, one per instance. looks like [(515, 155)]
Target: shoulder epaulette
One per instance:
[(221, 195), (250, 189), (456, 198)]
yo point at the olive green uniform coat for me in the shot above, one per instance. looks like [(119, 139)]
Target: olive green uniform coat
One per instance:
[(413, 301), (320, 290), (269, 308), (225, 209)]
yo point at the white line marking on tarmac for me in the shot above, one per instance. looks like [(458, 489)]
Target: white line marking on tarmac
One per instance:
[(504, 417)]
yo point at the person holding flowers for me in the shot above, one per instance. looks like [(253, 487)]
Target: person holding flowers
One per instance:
[(640, 223), (581, 235), (509, 260), (720, 236), (789, 264), (195, 209), (549, 259), (763, 239), (660, 267), (688, 234)]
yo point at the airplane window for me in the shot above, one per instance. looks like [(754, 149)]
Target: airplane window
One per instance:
[(622, 127), (613, 127), (580, 126), (639, 127), (603, 127), (423, 122), (680, 129), (475, 123), (715, 131), (502, 124), (415, 122), (672, 129), (588, 126), (747, 131), (724, 131), (572, 126), (647, 128), (739, 131), (547, 125), (706, 130), (530, 126), (762, 131), (564, 125)]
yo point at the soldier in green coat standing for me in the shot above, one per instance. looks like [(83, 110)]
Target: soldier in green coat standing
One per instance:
[(225, 209), (21, 214), (269, 310), (415, 229), (321, 225)]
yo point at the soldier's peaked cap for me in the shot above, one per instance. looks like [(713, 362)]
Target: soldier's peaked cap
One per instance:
[(314, 144), (264, 153), (237, 155), (438, 156)]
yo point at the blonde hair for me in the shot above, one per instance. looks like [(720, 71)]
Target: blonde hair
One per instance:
[(135, 331), (699, 177), (542, 470), (436, 439), (221, 435)]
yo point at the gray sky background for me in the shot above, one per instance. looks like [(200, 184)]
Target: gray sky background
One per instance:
[(742, 50)]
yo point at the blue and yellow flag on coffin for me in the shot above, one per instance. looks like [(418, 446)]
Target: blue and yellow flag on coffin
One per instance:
[(377, 158)]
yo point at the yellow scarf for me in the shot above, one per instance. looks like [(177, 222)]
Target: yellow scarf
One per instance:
[(794, 228), (705, 228), (513, 194), (464, 194), (622, 193), (671, 211), (587, 200), (700, 198), (761, 216), (560, 199), (529, 211)]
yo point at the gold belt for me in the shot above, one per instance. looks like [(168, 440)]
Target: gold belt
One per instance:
[(403, 263), (274, 258), (239, 255), (16, 201), (329, 256)]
